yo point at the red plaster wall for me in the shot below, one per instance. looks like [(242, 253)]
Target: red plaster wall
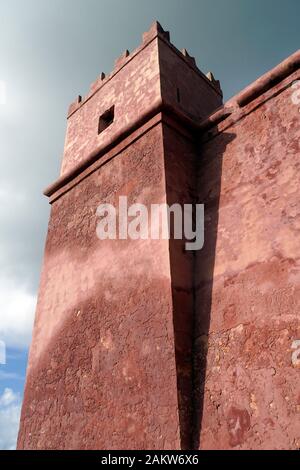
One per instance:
[(248, 280), (102, 372)]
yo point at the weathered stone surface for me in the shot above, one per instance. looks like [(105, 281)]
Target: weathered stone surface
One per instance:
[(248, 291), (102, 370)]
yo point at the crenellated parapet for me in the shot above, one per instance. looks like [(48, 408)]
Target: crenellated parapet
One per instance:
[(155, 31)]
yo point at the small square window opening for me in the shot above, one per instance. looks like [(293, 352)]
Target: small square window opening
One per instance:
[(106, 119)]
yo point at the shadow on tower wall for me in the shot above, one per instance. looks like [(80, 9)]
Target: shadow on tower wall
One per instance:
[(209, 179), (193, 175)]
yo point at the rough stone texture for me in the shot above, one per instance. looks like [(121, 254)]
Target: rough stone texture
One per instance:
[(102, 370), (140, 344), (248, 279)]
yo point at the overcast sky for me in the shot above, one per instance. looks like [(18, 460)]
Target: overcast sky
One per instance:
[(50, 51)]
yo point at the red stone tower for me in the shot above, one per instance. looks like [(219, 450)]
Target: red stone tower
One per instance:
[(140, 344)]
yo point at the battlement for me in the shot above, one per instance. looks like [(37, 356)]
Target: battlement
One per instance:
[(154, 75), (155, 31)]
